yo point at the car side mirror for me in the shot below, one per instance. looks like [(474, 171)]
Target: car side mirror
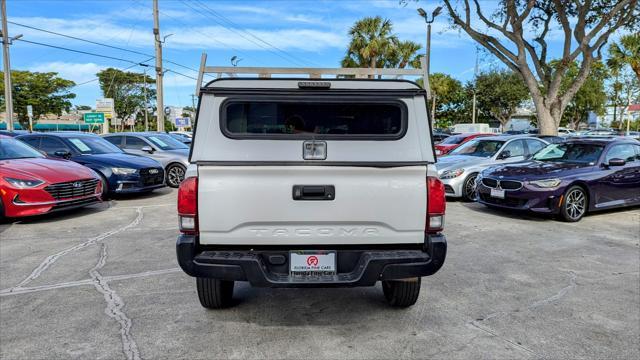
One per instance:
[(63, 154), (504, 155), (148, 149), (616, 162)]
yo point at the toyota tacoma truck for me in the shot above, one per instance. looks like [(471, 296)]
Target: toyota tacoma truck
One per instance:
[(311, 183)]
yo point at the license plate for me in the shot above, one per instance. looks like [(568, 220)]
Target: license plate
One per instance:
[(312, 263), (497, 193)]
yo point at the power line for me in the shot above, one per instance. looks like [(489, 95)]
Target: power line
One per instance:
[(99, 44), (231, 23), (78, 51), (238, 32)]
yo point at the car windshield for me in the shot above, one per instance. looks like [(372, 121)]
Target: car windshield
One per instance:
[(14, 149), (453, 140), (570, 152), (93, 145), (166, 142), (480, 148)]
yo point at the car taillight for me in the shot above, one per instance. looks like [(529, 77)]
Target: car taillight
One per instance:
[(188, 206), (436, 205)]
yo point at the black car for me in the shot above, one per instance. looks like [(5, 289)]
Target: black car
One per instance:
[(123, 173), (568, 179)]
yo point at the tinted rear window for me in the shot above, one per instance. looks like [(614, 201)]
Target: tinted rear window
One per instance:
[(280, 119)]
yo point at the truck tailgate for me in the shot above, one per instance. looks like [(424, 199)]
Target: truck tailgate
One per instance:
[(254, 205)]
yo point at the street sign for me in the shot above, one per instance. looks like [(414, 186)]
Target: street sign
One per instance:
[(29, 110), (105, 106), (183, 122), (94, 118)]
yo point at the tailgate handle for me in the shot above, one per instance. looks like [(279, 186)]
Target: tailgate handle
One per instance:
[(314, 192)]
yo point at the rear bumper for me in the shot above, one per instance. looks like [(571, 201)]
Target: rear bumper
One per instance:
[(357, 267)]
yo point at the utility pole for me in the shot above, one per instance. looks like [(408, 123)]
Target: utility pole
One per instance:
[(146, 115), (159, 73), (8, 96)]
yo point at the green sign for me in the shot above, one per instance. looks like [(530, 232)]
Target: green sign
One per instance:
[(94, 118)]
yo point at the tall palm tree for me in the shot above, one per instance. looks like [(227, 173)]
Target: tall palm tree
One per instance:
[(371, 39), (626, 52)]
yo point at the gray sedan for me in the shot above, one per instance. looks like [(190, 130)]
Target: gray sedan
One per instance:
[(172, 154), (459, 170)]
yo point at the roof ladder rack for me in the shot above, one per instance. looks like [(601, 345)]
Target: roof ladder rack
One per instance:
[(311, 73)]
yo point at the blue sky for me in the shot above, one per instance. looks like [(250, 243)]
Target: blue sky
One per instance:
[(305, 33)]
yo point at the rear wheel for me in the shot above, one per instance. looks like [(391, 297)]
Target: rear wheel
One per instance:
[(469, 189), (574, 205), (401, 293), (214, 293), (175, 175)]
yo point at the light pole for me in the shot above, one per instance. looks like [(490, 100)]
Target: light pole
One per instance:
[(8, 90), (424, 15)]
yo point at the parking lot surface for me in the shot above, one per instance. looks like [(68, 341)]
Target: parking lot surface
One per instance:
[(103, 283)]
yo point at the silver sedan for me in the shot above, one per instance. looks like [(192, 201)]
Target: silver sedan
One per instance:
[(172, 154), (459, 170)]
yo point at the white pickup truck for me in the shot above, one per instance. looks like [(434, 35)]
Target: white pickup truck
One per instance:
[(311, 183)]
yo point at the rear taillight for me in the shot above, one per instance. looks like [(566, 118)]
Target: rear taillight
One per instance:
[(436, 205), (188, 206)]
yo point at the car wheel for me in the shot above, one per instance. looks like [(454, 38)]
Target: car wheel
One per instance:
[(574, 204), (401, 293), (469, 190), (105, 188), (175, 175), (214, 293)]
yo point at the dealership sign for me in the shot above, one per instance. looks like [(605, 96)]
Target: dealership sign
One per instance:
[(94, 118)]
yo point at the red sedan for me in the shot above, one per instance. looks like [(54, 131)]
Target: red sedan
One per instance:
[(32, 184), (454, 141)]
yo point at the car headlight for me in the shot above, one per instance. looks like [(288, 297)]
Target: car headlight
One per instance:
[(24, 183), (123, 171), (450, 174), (546, 183)]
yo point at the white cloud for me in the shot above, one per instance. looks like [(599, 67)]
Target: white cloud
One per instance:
[(78, 72), (195, 37)]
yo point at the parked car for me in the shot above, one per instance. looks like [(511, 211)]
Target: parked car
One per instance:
[(181, 137), (551, 139), (172, 154), (601, 132), (439, 137), (122, 173), (302, 183), (567, 179), (32, 184), (454, 141), (566, 132), (13, 133), (459, 169)]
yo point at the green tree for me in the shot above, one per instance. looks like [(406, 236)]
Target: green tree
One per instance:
[(626, 52), (499, 93), (371, 42), (447, 99), (83, 107), (590, 97), (128, 92), (517, 33), (45, 92), (402, 54)]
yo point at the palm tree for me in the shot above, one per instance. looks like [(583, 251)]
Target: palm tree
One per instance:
[(626, 52), (371, 40), (406, 52)]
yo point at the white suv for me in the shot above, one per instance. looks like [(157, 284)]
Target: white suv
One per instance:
[(303, 183)]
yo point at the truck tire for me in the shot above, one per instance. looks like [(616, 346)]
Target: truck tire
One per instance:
[(214, 293), (401, 293)]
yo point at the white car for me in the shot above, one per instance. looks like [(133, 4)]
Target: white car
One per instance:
[(311, 183), (459, 170)]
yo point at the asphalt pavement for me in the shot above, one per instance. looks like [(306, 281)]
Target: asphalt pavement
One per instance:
[(103, 283)]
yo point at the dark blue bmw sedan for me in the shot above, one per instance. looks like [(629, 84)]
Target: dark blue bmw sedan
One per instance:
[(123, 173)]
